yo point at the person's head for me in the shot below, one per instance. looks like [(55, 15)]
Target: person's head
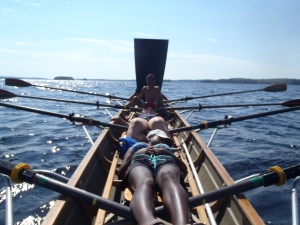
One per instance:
[(150, 79), (158, 136), (149, 108)]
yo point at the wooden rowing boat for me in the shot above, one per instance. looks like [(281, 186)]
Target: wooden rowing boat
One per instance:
[(93, 196), (98, 171)]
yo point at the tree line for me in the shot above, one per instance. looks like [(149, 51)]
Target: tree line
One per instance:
[(254, 81)]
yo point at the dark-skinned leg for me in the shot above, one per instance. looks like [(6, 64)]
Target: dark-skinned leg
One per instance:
[(141, 181), (175, 198)]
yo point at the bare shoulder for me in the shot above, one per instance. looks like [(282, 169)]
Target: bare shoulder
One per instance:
[(157, 88), (144, 88)]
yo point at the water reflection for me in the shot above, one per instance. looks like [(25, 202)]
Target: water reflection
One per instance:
[(15, 190)]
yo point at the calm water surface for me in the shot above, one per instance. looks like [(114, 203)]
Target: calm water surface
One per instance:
[(244, 148)]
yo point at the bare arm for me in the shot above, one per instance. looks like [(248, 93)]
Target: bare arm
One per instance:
[(131, 96), (128, 157), (163, 96), (125, 163), (141, 95), (180, 164)]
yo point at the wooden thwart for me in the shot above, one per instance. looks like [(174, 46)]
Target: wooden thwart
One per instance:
[(128, 196)]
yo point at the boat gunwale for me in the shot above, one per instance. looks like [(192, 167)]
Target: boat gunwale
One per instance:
[(243, 202)]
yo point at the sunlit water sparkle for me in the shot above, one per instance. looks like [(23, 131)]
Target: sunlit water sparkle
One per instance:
[(244, 148)]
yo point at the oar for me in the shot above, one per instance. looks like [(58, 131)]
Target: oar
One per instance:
[(29, 176), (71, 117), (266, 179), (206, 124), (23, 173), (6, 94), (272, 88), (21, 83), (291, 103)]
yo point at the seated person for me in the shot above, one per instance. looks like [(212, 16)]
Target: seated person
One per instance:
[(152, 167), (150, 92)]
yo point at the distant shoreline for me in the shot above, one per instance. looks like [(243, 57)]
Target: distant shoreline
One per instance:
[(255, 81), (231, 80)]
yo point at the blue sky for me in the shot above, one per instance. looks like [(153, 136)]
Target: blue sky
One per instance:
[(94, 39)]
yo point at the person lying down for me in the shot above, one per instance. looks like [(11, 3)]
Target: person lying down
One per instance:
[(140, 126), (151, 167)]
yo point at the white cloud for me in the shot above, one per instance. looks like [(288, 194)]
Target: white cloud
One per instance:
[(209, 59), (23, 43), (117, 46), (140, 34), (83, 57), (213, 40), (34, 4), (78, 64), (5, 10)]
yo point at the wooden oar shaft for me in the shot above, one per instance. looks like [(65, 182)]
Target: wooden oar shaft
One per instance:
[(84, 103), (70, 117), (21, 83), (206, 125), (59, 100), (213, 106), (208, 96), (83, 92), (272, 88)]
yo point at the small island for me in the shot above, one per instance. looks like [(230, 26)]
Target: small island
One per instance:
[(63, 78)]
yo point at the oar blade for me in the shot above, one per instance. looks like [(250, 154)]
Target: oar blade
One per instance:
[(16, 82), (276, 88), (291, 103), (6, 94)]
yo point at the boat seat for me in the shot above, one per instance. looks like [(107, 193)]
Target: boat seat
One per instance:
[(128, 196)]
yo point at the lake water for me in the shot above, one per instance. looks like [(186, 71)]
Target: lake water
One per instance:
[(244, 148)]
